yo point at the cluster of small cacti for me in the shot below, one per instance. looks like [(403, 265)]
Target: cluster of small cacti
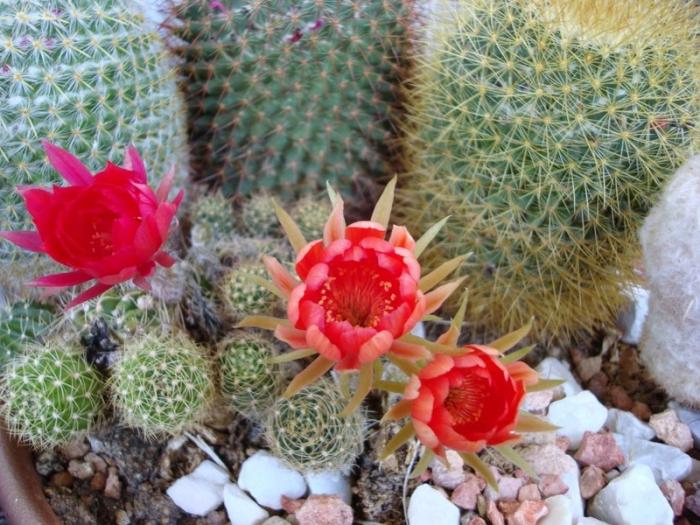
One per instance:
[(311, 215), (249, 381), (309, 432), (545, 130), (213, 219), (87, 75), (21, 323), (243, 294), (162, 384), (50, 394), (258, 216), (286, 95)]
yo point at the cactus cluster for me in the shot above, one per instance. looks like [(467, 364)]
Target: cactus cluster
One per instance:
[(249, 381), (21, 324), (285, 95), (162, 384), (242, 295), (309, 433), (212, 219), (258, 217), (50, 394), (89, 76), (311, 215), (545, 129)]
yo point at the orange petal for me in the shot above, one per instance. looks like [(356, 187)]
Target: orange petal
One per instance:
[(400, 410), (441, 364), (434, 299), (422, 406), (360, 230), (310, 374), (400, 237), (284, 280), (335, 227), (318, 341), (378, 345), (308, 257), (522, 372), (425, 434), (410, 351), (292, 336), (293, 303)]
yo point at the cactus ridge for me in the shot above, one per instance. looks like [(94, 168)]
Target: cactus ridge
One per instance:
[(51, 395), (546, 132), (21, 323)]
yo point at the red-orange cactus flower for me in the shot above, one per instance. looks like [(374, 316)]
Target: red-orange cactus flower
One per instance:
[(110, 227), (357, 294)]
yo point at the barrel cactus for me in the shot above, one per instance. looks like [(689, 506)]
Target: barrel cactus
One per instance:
[(162, 384), (90, 77), (249, 381), (242, 295), (545, 129), (308, 432), (311, 215), (21, 323), (212, 220), (50, 394), (285, 95)]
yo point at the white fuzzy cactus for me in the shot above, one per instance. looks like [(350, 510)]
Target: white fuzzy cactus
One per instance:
[(671, 243)]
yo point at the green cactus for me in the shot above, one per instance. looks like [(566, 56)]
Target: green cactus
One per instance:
[(248, 380), (89, 76), (162, 384), (311, 215), (308, 432), (212, 219), (21, 323), (51, 395), (285, 95), (545, 129), (243, 296), (258, 217)]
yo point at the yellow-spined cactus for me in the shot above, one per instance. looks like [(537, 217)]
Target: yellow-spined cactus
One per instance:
[(545, 128)]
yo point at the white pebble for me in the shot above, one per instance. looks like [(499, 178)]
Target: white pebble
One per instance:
[(559, 511), (241, 509), (267, 479), (428, 506), (665, 462), (332, 483), (627, 424), (196, 496), (577, 414), (552, 368), (211, 472)]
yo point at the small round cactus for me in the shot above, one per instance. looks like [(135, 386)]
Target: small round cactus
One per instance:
[(212, 219), (248, 380), (162, 384), (308, 432), (21, 323), (51, 395), (311, 216), (259, 218), (243, 296)]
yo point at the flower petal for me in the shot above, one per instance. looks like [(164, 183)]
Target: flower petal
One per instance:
[(134, 162), (422, 408), (165, 259), (401, 238), (409, 351), (318, 341), (375, 347), (335, 226), (28, 240), (88, 294), (441, 364), (69, 167), (292, 336), (425, 434), (166, 183), (62, 280), (284, 280), (308, 257), (360, 230), (522, 372), (435, 298), (293, 303)]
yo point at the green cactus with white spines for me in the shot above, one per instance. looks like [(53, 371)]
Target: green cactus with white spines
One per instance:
[(50, 395), (249, 381), (212, 220), (311, 215), (21, 324), (242, 295), (162, 384), (258, 217), (308, 432), (545, 129), (89, 76), (284, 95)]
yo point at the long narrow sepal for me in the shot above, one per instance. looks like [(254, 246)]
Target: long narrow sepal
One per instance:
[(508, 341), (333, 195), (393, 387), (529, 423), (423, 464), (68, 166), (436, 348), (431, 280), (27, 240), (364, 385), (90, 293), (283, 280), (407, 368), (435, 298), (264, 322), (294, 355), (400, 410), (382, 210), (428, 236), (545, 384), (402, 436), (311, 373), (516, 459), (291, 229), (451, 336), (517, 355), (268, 285), (480, 468)]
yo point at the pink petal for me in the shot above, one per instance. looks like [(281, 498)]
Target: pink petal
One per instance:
[(409, 351), (401, 238), (425, 434), (61, 280), (134, 162), (293, 304), (308, 257), (292, 336), (375, 347), (165, 259), (441, 364), (142, 282), (317, 276), (435, 298), (318, 341), (165, 185), (69, 167), (360, 230), (283, 280), (88, 294), (335, 227), (412, 390), (28, 240)]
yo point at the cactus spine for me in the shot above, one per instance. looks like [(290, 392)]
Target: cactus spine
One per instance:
[(51, 395), (545, 129), (286, 95), (21, 324), (243, 296), (89, 76), (162, 384)]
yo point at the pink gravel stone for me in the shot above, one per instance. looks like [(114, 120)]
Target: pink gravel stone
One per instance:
[(508, 488), (529, 492), (551, 485), (563, 443), (466, 493), (675, 495), (599, 449), (291, 505), (528, 513), (592, 480), (493, 514), (671, 430), (450, 475), (324, 510), (476, 520)]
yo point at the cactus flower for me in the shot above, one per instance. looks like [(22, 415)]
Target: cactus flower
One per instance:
[(109, 227)]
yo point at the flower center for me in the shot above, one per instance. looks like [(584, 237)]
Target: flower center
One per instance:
[(465, 403), (358, 295)]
